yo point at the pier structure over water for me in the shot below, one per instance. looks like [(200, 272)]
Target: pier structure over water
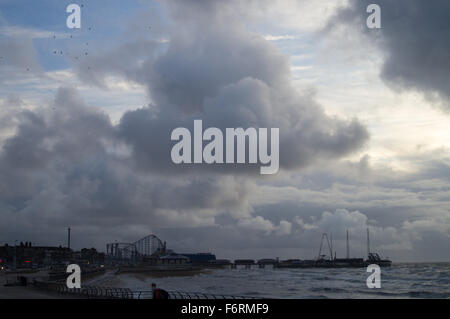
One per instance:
[(150, 253)]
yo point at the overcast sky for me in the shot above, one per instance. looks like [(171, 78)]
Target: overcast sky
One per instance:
[(86, 116)]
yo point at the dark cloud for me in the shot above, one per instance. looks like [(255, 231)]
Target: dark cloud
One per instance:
[(214, 69), (68, 165), (414, 40), (65, 165), (10, 108)]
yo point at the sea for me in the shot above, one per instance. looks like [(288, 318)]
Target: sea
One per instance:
[(401, 280)]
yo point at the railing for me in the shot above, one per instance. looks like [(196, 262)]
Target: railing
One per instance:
[(91, 292), (186, 295), (99, 292)]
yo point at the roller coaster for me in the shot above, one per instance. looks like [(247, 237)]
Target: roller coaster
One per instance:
[(148, 246)]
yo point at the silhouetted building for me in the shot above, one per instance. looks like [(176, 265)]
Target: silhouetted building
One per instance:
[(25, 255)]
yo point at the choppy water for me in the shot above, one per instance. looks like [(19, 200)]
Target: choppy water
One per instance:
[(408, 280)]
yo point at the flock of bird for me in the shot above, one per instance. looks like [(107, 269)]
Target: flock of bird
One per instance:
[(61, 52), (77, 57), (58, 52)]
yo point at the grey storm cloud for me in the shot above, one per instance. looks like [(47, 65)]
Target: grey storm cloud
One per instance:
[(414, 39), (67, 165), (215, 70)]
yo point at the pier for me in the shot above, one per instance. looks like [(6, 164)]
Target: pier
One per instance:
[(248, 263), (150, 254)]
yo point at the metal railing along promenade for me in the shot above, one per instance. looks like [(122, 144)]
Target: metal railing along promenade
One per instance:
[(90, 292), (99, 292), (187, 295)]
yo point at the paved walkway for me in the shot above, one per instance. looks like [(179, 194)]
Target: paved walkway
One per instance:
[(28, 292)]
